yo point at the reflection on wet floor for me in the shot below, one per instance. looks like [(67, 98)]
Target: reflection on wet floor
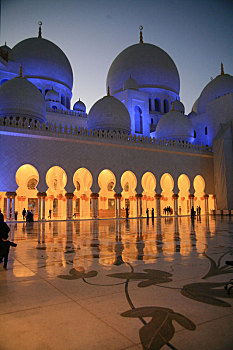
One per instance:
[(117, 241), (141, 284)]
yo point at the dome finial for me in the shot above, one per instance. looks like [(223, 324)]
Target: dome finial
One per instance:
[(39, 32), (222, 69), (108, 93), (20, 71), (141, 37)]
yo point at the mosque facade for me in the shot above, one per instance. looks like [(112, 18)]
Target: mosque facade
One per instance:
[(135, 149)]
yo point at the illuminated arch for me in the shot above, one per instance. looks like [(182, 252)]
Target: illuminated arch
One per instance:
[(148, 198), (199, 187), (56, 180), (129, 184), (27, 178), (183, 200), (167, 185), (82, 180), (107, 182)]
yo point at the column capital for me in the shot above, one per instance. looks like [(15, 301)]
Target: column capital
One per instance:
[(175, 196), (214, 196), (117, 195), (94, 195), (158, 196), (41, 194), (11, 194), (191, 196), (138, 195), (69, 195), (206, 196)]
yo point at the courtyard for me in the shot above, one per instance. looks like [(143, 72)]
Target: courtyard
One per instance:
[(118, 284)]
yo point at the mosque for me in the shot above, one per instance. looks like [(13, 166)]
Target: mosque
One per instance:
[(135, 149)]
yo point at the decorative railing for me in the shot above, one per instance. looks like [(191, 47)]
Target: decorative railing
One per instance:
[(68, 112), (69, 131)]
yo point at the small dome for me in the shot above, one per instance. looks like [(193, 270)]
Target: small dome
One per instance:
[(42, 59), (52, 95), (6, 52), (221, 85), (19, 97), (151, 66), (108, 113), (130, 84), (175, 125), (79, 106), (178, 106)]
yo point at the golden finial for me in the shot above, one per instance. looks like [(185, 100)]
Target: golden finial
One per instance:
[(39, 33), (141, 37), (108, 93), (222, 69), (21, 71)]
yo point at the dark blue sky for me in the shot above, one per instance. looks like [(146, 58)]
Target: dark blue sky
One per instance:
[(196, 34)]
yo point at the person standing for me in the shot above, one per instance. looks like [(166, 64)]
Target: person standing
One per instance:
[(24, 213), (5, 248)]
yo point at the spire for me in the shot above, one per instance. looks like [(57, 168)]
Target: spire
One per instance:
[(108, 93), (39, 32), (141, 37), (20, 71), (222, 69)]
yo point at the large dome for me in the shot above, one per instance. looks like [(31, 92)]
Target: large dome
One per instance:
[(19, 97), (42, 59), (175, 126), (221, 85), (108, 113), (149, 65)]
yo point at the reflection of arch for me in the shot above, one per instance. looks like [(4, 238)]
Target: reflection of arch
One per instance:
[(138, 119), (167, 185), (183, 200), (82, 180), (107, 182), (129, 181), (27, 178), (148, 184), (199, 187), (56, 180)]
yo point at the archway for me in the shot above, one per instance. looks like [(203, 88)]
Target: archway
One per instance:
[(56, 180), (148, 199), (27, 179), (183, 200), (199, 186), (107, 182), (82, 181), (129, 183), (167, 185)]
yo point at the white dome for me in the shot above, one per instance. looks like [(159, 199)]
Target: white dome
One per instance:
[(151, 66), (175, 125), (79, 106), (130, 84), (221, 85), (52, 95), (178, 106), (108, 113), (42, 59), (19, 97)]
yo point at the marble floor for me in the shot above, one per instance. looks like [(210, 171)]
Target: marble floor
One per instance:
[(117, 284)]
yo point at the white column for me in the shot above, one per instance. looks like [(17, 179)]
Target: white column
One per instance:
[(116, 207), (43, 208), (119, 207), (8, 208), (206, 204), (39, 208), (175, 199), (158, 205), (13, 208)]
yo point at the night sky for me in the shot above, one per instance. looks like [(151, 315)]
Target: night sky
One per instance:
[(196, 34)]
